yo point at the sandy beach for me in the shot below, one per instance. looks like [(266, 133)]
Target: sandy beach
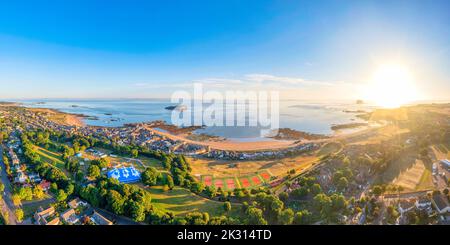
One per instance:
[(61, 117), (230, 144)]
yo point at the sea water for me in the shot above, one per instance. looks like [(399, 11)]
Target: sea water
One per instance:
[(309, 116)]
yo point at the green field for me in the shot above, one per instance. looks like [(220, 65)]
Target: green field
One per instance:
[(146, 161), (426, 181), (442, 147), (50, 157), (181, 201)]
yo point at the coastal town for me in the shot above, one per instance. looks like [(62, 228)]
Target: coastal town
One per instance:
[(52, 168), (224, 121)]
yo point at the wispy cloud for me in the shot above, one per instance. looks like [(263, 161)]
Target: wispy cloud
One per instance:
[(158, 85), (248, 81), (266, 78)]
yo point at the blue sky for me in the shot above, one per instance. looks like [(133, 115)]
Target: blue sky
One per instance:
[(146, 49)]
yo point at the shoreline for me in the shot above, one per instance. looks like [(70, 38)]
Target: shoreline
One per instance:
[(68, 118), (286, 138), (231, 145)]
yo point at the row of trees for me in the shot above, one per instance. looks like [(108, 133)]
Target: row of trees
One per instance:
[(27, 194), (134, 202), (121, 199)]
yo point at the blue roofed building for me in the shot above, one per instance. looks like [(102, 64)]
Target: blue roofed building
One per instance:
[(125, 174), (446, 164)]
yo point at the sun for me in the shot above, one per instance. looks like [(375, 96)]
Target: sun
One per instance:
[(391, 86)]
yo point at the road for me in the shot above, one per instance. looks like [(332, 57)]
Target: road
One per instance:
[(118, 220), (6, 203)]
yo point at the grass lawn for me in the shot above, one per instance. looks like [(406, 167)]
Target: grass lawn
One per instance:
[(228, 168), (442, 147), (30, 208), (329, 148), (426, 181), (146, 161), (181, 201), (51, 157)]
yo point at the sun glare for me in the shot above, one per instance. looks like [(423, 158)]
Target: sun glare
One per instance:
[(391, 86)]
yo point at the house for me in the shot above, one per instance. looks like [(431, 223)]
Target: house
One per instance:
[(445, 163), (75, 203), (45, 185), (21, 177), (444, 220), (70, 217), (440, 202), (46, 217), (423, 203), (34, 177), (406, 205), (446, 175), (98, 219)]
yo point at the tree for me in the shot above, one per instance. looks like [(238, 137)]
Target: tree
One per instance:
[(115, 202), (377, 190), (227, 206), (166, 162), (346, 161), (169, 181), (197, 187), (302, 217), (137, 211), (19, 214), (5, 217), (283, 196), (316, 189), (2, 187), (134, 153), (210, 191), (445, 191), (26, 193), (413, 218), (103, 163), (79, 175), (424, 152), (93, 171), (342, 183), (338, 202), (70, 189), (61, 196), (53, 188), (16, 200), (38, 192), (197, 218), (323, 204), (286, 217), (300, 193), (150, 176), (76, 147), (392, 214), (254, 216), (348, 173)]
